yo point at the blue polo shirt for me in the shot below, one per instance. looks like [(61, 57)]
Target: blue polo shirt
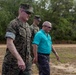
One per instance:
[(43, 41)]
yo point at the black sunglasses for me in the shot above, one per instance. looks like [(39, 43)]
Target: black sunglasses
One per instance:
[(27, 12), (48, 26)]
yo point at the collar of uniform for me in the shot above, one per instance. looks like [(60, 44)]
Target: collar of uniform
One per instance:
[(34, 25), (22, 24)]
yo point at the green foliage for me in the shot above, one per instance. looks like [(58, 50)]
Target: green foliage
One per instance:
[(8, 11), (62, 19), (5, 17), (61, 13)]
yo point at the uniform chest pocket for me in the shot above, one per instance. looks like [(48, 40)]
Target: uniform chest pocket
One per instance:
[(28, 32), (22, 32)]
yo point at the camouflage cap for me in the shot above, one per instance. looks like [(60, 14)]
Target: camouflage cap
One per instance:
[(37, 17), (27, 7)]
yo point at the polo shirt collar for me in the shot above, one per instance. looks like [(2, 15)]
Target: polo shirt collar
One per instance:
[(44, 32)]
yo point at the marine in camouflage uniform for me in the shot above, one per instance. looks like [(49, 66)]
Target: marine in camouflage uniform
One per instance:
[(34, 27), (20, 33)]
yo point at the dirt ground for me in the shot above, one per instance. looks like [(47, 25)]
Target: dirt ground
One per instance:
[(55, 45), (59, 69)]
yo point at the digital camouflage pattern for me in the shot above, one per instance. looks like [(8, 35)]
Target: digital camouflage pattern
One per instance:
[(34, 30), (22, 43)]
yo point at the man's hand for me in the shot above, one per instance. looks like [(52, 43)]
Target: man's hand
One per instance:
[(21, 64), (56, 54), (35, 59), (14, 52), (57, 57)]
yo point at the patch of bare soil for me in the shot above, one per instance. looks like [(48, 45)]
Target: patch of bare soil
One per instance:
[(2, 45), (55, 45), (64, 45), (63, 69), (59, 69)]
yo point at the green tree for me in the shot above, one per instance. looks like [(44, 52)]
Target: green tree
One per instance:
[(8, 11), (61, 13)]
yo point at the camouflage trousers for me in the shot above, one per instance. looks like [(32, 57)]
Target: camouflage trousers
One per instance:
[(43, 64), (12, 69)]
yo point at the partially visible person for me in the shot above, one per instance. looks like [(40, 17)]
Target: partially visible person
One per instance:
[(34, 27), (18, 40), (42, 47)]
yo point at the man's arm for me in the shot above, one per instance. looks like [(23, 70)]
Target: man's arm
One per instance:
[(12, 49), (35, 53), (56, 54)]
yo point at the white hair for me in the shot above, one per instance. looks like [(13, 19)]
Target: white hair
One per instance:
[(47, 23)]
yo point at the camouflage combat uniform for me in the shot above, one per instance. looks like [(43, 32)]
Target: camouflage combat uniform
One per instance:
[(34, 30), (22, 40)]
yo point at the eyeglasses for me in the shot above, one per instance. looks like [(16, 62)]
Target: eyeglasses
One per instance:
[(27, 12), (48, 26)]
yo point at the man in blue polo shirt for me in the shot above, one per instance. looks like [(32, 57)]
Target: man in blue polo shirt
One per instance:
[(42, 47)]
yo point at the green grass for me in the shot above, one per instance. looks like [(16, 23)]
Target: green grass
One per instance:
[(66, 55)]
